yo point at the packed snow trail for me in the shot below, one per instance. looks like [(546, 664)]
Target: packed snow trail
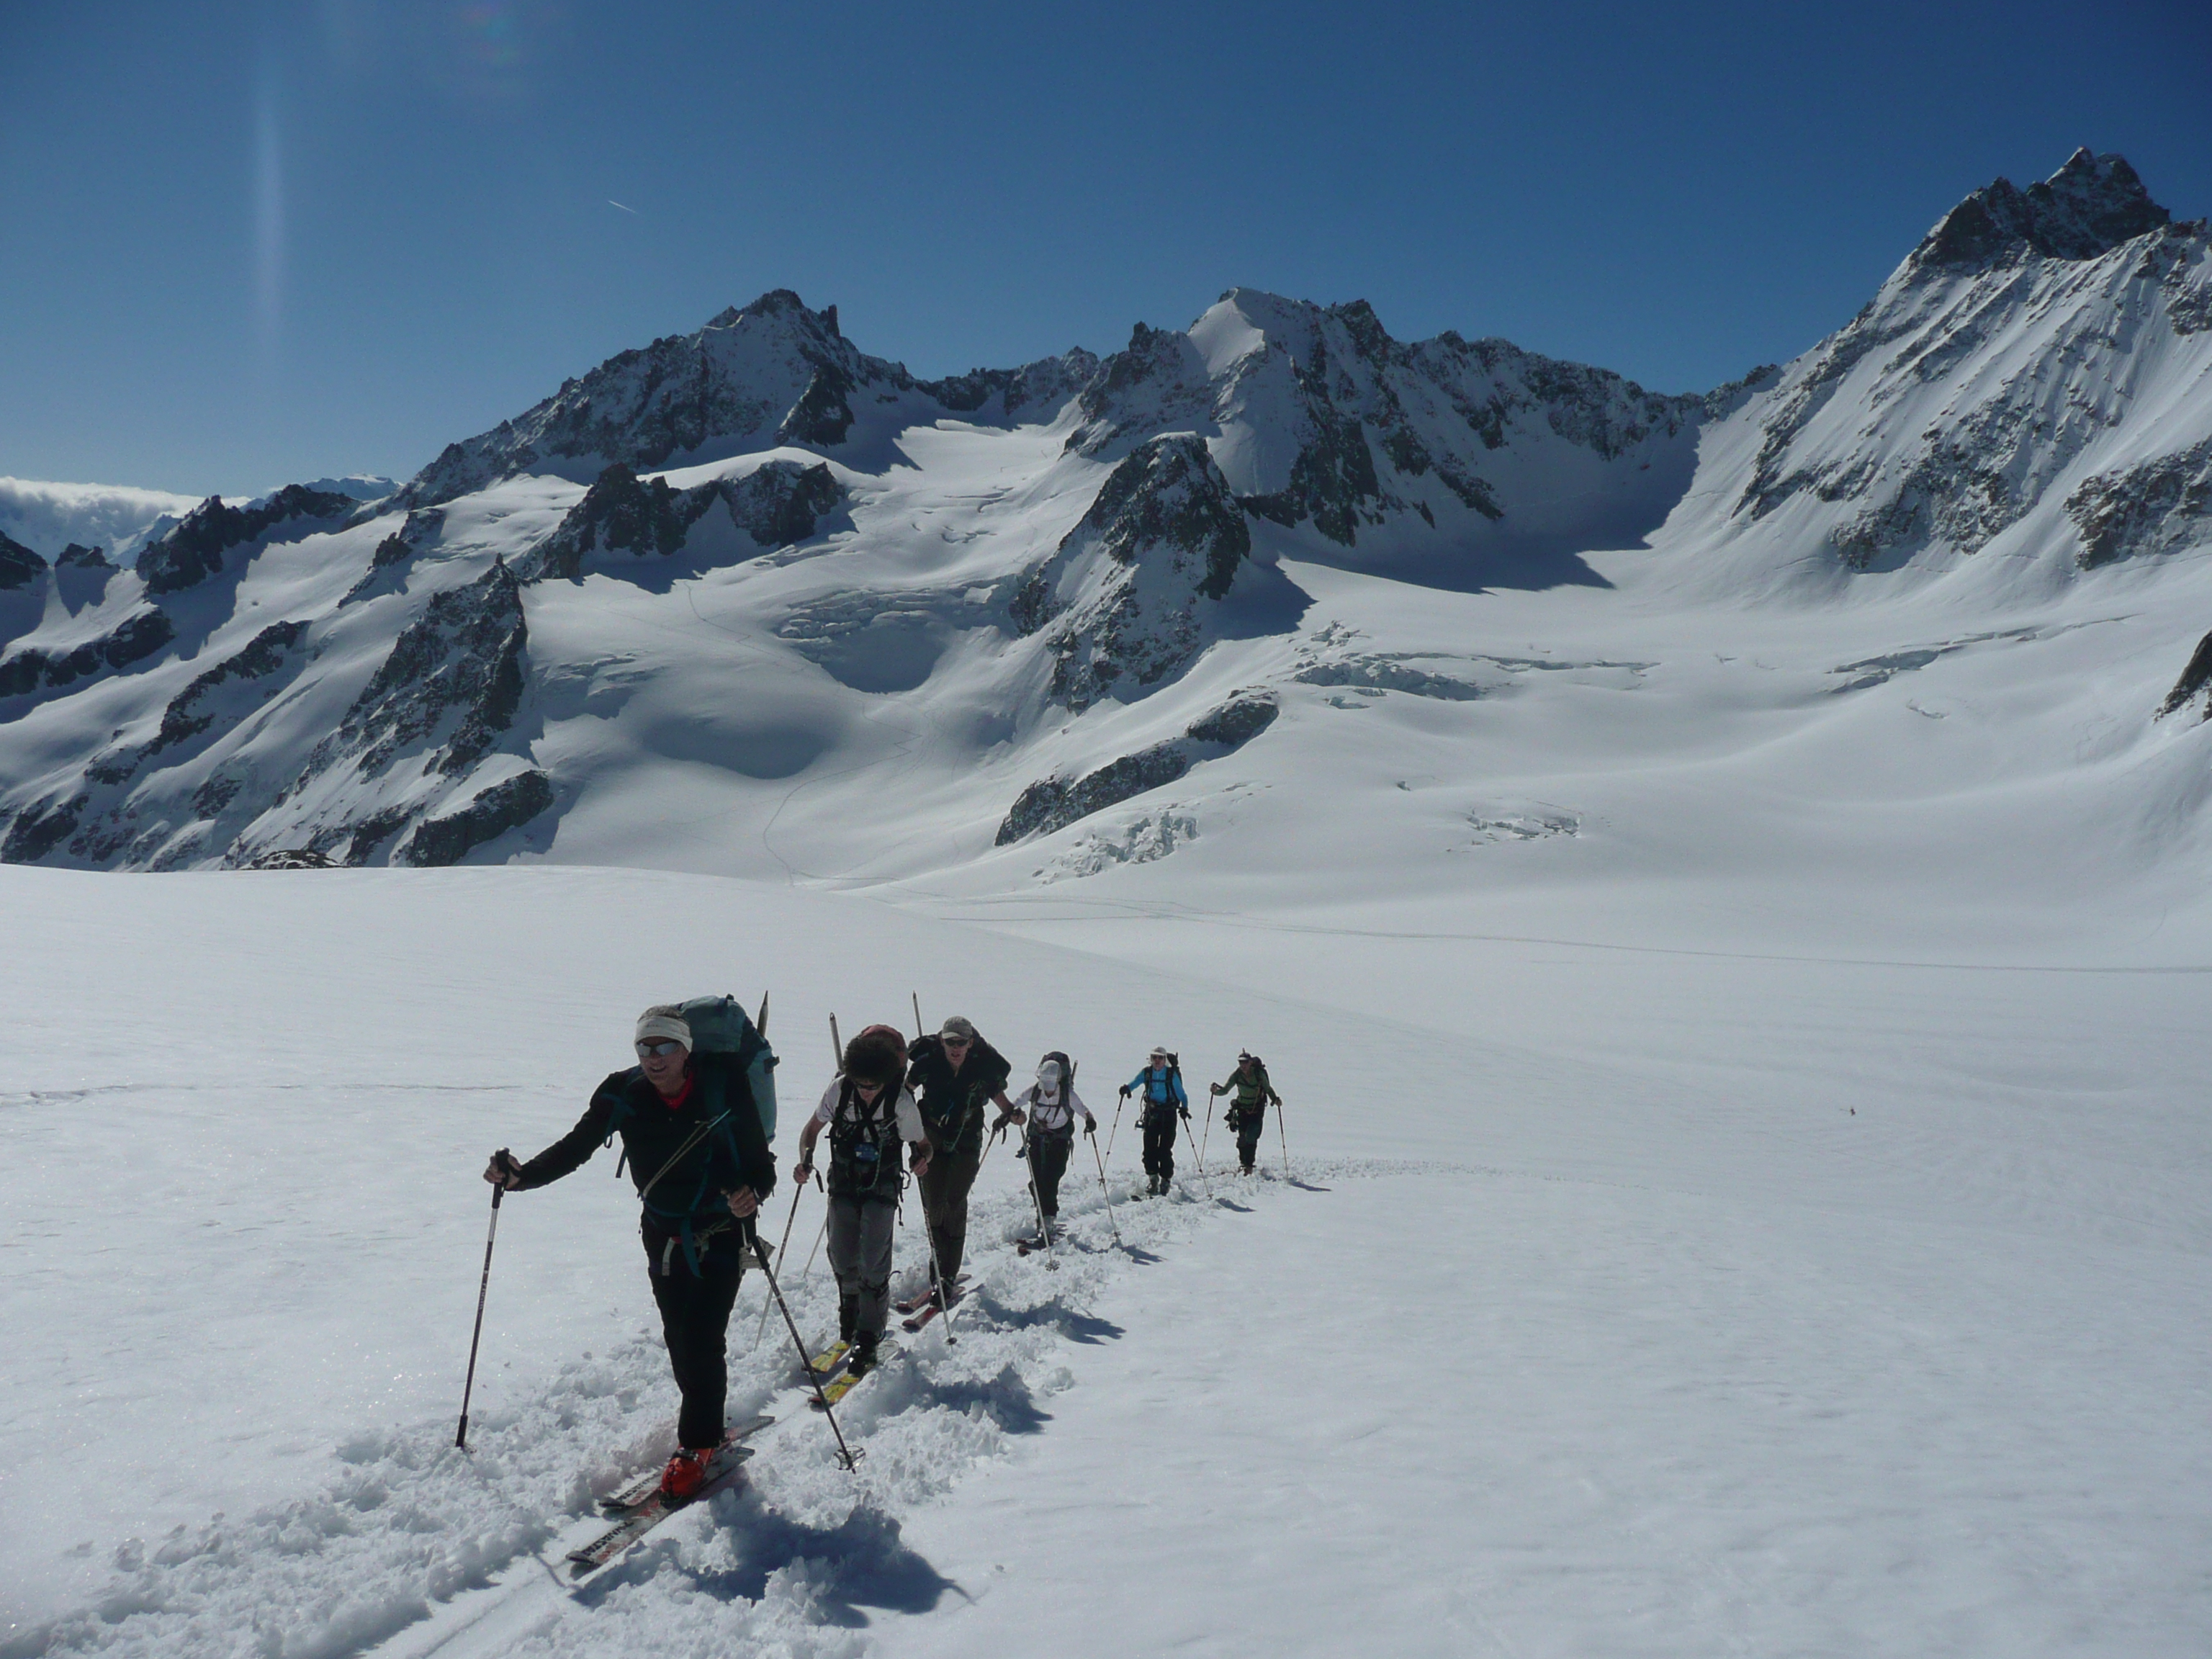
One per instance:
[(1700, 1358)]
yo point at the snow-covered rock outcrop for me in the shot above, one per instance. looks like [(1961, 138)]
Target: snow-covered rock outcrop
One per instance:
[(1442, 451), (2037, 370), (769, 374), (1123, 601)]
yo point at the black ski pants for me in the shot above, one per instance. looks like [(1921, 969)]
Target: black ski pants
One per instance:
[(1159, 1141), (695, 1321), (944, 1187), (1246, 1126), (1047, 1164)]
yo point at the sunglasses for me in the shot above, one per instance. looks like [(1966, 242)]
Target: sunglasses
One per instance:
[(955, 1043), (656, 1051)]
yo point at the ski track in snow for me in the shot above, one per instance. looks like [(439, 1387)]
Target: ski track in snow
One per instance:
[(415, 1548)]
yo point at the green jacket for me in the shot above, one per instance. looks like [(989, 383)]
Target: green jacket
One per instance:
[(1248, 1091)]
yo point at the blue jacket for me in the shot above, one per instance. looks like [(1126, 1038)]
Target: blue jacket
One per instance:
[(1162, 1087)]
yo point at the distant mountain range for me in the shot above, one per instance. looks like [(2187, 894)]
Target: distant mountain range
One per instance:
[(628, 623)]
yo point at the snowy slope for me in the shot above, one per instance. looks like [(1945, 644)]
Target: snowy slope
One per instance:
[(1730, 928), (1628, 1302)]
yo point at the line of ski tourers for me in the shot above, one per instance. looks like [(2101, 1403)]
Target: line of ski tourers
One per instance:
[(695, 1117)]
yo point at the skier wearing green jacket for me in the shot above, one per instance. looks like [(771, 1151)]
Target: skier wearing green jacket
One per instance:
[(1249, 1093)]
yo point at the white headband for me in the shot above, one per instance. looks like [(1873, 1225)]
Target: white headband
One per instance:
[(651, 1026)]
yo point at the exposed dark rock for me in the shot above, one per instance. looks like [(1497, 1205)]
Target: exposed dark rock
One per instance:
[(422, 526), (2194, 679), (773, 370), (39, 828), (783, 502), (1052, 804), (458, 668), (263, 655), (823, 413), (193, 549), (1171, 534), (506, 805), (140, 635), (2155, 507), (291, 858), (777, 503), (1055, 803), (217, 792), (75, 556), (372, 832), (2088, 208), (1037, 388), (1239, 720), (19, 566)]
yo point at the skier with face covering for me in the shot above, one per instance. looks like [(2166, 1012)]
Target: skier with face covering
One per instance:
[(1049, 1108)]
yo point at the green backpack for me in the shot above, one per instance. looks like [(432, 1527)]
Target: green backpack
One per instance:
[(720, 1025)]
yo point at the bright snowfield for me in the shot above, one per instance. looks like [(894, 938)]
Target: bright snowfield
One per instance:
[(1625, 1302), (1720, 882)]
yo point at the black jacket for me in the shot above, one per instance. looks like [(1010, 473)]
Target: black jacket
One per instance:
[(951, 1102), (692, 1190)]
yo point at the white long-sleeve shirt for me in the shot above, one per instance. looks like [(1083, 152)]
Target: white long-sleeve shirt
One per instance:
[(904, 1108), (1049, 1115)]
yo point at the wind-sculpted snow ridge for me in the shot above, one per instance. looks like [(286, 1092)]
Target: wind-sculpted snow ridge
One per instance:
[(2039, 349), (412, 1546)]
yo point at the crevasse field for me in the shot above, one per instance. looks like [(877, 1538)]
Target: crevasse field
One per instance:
[(1746, 1184)]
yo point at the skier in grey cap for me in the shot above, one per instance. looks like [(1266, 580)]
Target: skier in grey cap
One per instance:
[(952, 1074)]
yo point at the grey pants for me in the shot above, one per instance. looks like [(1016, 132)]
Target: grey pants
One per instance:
[(860, 1256)]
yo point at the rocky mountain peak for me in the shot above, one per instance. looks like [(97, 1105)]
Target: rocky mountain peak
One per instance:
[(2088, 208)]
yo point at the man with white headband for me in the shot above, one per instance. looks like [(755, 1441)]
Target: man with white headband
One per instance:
[(693, 1142)]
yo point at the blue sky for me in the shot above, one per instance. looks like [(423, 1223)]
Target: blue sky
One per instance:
[(243, 244)]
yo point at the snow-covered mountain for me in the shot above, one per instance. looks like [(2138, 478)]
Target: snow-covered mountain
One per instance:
[(752, 599), (2032, 388)]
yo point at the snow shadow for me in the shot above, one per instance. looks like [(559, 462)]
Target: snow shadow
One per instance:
[(1077, 1327), (863, 1563)]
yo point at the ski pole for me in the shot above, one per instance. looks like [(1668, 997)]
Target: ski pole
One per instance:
[(484, 1289), (1117, 1129), (1036, 1197), (846, 1455), (1105, 1193), (1283, 1137), (1191, 1141), (1208, 1132), (797, 1192)]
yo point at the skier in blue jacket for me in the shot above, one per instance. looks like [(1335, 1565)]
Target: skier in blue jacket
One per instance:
[(1164, 1101)]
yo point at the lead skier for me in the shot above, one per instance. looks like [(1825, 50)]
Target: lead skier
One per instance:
[(692, 1139), (1249, 1093)]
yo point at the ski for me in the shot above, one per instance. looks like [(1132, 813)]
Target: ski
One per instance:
[(831, 1361), (929, 1309), (640, 1489), (1031, 1246), (846, 1380), (643, 1519), (913, 1305)]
